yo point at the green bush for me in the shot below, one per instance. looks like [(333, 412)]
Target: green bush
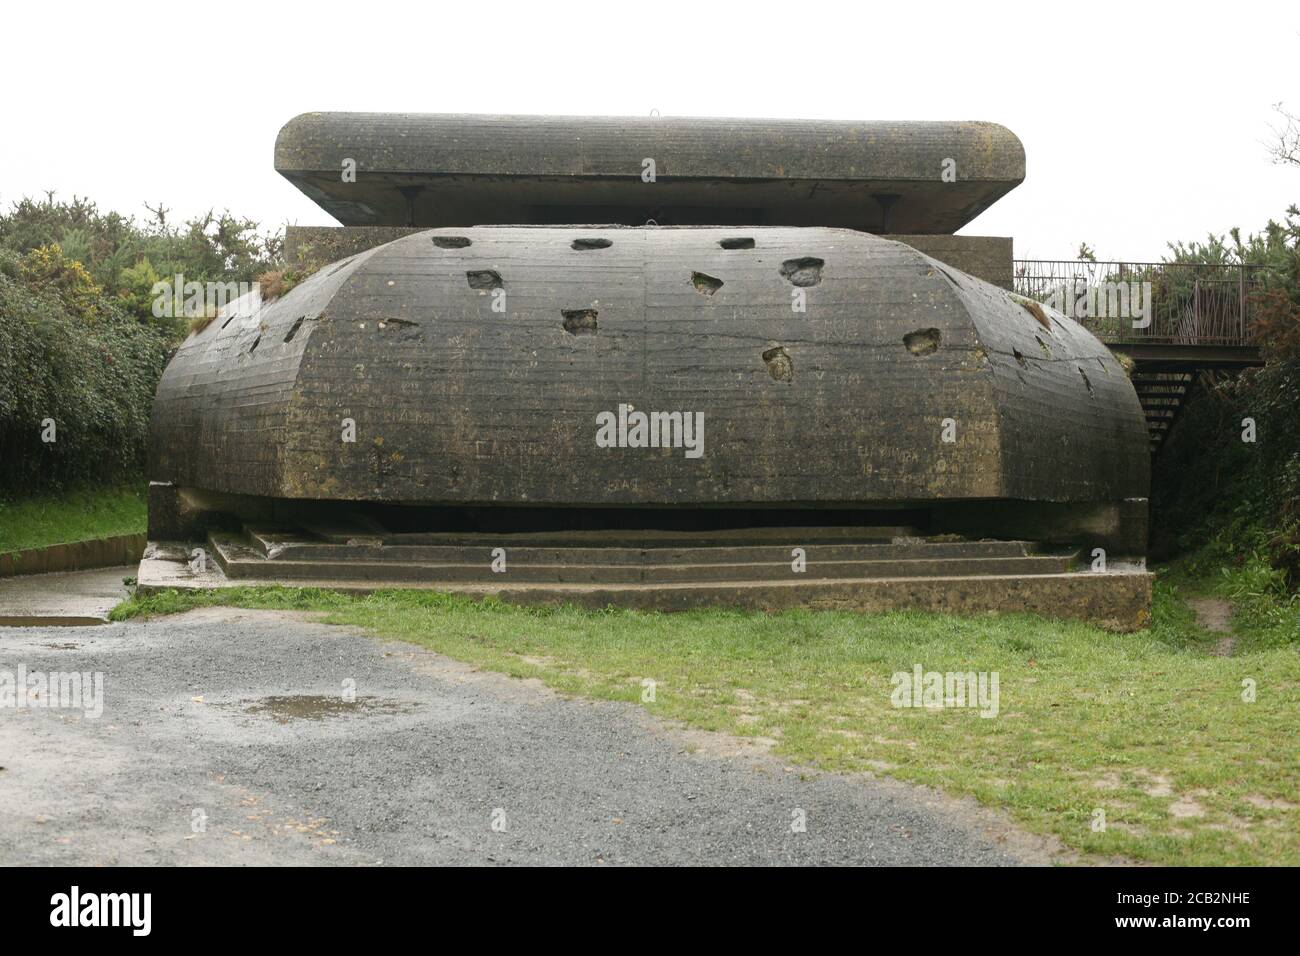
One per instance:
[(1238, 502), (79, 343), (69, 354), (125, 258)]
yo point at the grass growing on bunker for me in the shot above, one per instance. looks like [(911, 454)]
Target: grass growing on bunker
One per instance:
[(66, 517), (1150, 728)]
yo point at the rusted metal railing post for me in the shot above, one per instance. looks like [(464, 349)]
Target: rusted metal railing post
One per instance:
[(1241, 300)]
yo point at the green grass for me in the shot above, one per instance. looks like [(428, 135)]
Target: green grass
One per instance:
[(1264, 615), (1148, 727), (71, 516)]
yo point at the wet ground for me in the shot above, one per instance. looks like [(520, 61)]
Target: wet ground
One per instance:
[(228, 736), (63, 598)]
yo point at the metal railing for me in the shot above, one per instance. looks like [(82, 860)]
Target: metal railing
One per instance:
[(1147, 302)]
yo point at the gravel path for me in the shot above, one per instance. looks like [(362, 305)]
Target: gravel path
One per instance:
[(226, 737)]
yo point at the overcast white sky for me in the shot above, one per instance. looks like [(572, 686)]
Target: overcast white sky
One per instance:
[(1142, 122)]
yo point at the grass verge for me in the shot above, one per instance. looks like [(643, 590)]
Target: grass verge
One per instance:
[(1151, 729), (71, 516), (1264, 616)]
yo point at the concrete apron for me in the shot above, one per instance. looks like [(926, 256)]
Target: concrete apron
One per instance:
[(66, 598)]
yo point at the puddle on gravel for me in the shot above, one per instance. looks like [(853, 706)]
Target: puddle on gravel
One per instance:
[(320, 707)]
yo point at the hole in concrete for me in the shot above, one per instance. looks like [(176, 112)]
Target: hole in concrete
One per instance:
[(803, 272), (293, 330), (253, 348), (579, 321), (484, 279), (922, 341), (451, 242), (397, 323), (778, 364), (738, 242), (705, 284), (1085, 381), (593, 243), (1036, 310), (1043, 345), (1020, 358)]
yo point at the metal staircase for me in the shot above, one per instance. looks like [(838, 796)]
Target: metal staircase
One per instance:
[(1162, 395)]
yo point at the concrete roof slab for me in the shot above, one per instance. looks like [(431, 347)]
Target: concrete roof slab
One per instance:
[(430, 169)]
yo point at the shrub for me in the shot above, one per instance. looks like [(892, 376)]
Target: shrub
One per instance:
[(126, 258), (1233, 500), (47, 268), (70, 355)]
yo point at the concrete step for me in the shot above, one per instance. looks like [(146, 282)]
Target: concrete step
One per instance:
[(1120, 599), (615, 538), (282, 546), (240, 560)]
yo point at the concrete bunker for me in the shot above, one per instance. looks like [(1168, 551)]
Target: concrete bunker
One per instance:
[(378, 455)]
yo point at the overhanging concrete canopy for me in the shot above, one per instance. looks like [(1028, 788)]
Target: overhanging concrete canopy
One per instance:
[(427, 169)]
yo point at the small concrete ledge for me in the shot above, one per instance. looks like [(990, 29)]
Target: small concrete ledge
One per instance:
[(76, 556)]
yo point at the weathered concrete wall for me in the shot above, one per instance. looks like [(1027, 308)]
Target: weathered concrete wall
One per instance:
[(74, 556), (843, 403), (310, 247), (985, 257), (1116, 602)]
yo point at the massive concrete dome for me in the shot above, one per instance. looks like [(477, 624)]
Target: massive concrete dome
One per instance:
[(473, 366)]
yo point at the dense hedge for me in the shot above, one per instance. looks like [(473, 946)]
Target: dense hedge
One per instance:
[(1213, 493), (1210, 488), (125, 258), (69, 353), (79, 342)]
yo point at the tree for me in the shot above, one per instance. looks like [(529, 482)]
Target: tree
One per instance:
[(1286, 138)]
